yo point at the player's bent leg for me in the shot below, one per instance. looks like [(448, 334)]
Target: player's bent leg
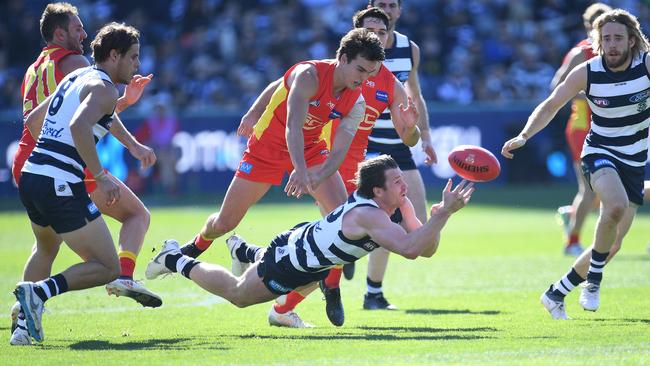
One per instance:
[(44, 251), (614, 203), (93, 243), (622, 229), (416, 193)]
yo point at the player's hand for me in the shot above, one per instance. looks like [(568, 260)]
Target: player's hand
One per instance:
[(246, 125), (409, 115), (428, 149), (512, 144), (134, 89), (299, 183), (455, 199), (110, 189), (144, 154)]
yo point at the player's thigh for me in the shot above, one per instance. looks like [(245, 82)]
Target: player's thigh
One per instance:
[(253, 289), (331, 193), (416, 192), (241, 195), (46, 238), (608, 186), (92, 242), (127, 206)]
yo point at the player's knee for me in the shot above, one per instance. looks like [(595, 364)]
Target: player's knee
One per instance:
[(145, 217), (218, 224), (614, 212), (112, 270)]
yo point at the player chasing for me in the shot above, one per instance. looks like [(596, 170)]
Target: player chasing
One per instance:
[(304, 254), (78, 113), (63, 32), (573, 216), (616, 84)]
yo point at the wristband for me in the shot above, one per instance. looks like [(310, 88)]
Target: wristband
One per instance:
[(99, 175)]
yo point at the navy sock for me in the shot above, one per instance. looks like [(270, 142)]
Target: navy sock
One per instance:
[(562, 287), (246, 253), (596, 267), (191, 250)]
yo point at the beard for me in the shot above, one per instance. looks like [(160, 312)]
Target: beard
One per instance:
[(622, 59)]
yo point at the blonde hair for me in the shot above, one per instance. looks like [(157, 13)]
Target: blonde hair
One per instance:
[(630, 22)]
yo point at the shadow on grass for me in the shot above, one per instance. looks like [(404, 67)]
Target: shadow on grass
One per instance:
[(622, 320), (428, 329), (163, 344), (450, 311)]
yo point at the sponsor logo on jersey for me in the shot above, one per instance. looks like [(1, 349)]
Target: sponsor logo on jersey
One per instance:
[(639, 97), (370, 246), (331, 104), (601, 102), (603, 162), (92, 208), (370, 83), (61, 188), (314, 103), (335, 114), (381, 96), (324, 152), (245, 167)]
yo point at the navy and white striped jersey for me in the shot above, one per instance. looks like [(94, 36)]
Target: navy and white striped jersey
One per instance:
[(55, 154), (399, 60), (320, 245), (620, 113)]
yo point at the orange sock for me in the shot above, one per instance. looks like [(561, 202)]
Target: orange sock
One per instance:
[(293, 299), (127, 263), (332, 280), (202, 243), (574, 239)]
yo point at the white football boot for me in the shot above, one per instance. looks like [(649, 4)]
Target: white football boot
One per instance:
[(20, 337), (289, 319), (238, 267), (590, 296), (156, 266), (15, 309), (135, 290), (555, 308), (32, 306)]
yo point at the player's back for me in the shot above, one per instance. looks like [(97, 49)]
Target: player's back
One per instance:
[(55, 154)]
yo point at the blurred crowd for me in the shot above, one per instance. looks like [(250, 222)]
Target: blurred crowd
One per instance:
[(208, 54)]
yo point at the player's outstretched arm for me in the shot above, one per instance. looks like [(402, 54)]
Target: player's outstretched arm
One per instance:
[(34, 120), (545, 111), (303, 85), (422, 241), (405, 116), (255, 112)]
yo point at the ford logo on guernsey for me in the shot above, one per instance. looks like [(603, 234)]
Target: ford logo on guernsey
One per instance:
[(601, 102), (335, 114), (639, 97), (381, 96)]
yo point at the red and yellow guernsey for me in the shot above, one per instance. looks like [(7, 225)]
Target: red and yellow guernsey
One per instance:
[(270, 130), (40, 80), (378, 92)]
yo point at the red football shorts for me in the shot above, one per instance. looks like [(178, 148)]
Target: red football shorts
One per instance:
[(267, 164)]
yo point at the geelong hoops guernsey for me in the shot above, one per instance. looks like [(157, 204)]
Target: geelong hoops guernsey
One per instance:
[(40, 80), (323, 107), (378, 92), (55, 154), (321, 244), (399, 60), (620, 114)]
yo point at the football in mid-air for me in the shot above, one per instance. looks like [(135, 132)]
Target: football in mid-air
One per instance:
[(474, 163)]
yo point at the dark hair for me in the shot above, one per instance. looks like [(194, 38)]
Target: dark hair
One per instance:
[(113, 36), (372, 3), (362, 42), (56, 15), (372, 173), (374, 12)]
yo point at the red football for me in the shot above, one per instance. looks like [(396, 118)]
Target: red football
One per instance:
[(474, 163)]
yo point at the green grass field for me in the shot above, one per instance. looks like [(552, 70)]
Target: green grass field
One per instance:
[(475, 302)]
